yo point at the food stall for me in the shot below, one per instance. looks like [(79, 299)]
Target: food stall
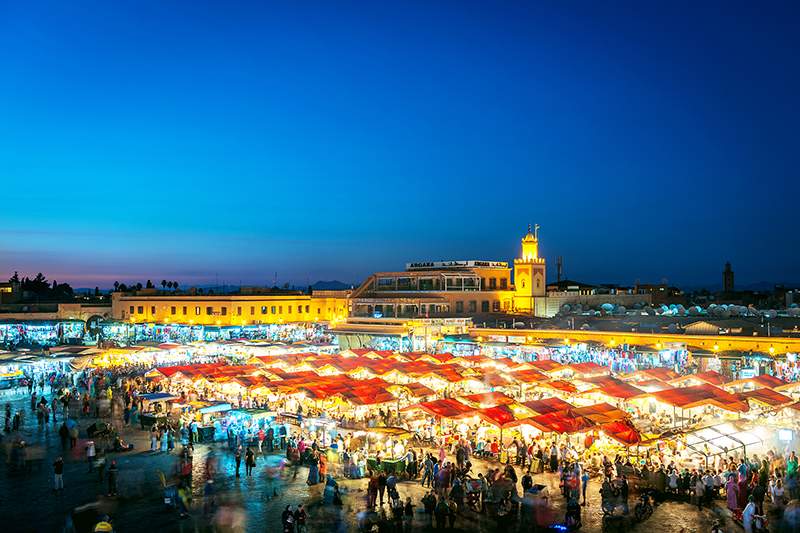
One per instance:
[(153, 412)]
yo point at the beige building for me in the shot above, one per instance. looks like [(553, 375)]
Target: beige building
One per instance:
[(436, 289), (230, 309)]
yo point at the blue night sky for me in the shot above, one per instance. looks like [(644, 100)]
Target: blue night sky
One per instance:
[(330, 140)]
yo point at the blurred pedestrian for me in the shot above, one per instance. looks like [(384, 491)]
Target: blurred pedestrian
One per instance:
[(111, 475), (287, 520), (300, 519), (237, 456), (58, 470), (249, 461), (90, 454)]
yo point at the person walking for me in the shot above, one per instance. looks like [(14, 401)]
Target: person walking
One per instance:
[(90, 455), (441, 513), (428, 473), (63, 432), (58, 470), (250, 462), (300, 519), (381, 485), (111, 474), (237, 456), (154, 439), (260, 436), (287, 520)]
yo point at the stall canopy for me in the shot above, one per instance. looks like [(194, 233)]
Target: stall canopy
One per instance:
[(501, 416), (529, 376), (601, 413), (620, 391), (770, 382), (417, 390), (587, 369), (710, 377), (546, 365), (547, 405), (622, 432), (559, 422), (490, 398), (659, 373), (560, 386), (766, 397), (698, 395), (446, 408)]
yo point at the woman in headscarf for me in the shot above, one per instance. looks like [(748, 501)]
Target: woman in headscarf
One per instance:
[(732, 491), (742, 491)]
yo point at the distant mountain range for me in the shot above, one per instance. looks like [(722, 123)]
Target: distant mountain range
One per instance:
[(755, 287)]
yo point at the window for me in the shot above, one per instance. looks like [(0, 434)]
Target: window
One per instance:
[(197, 311), (290, 310), (239, 311), (153, 310), (224, 311), (318, 310), (484, 306), (264, 310), (299, 309), (492, 283), (184, 311), (209, 311), (459, 307), (172, 310), (273, 309), (280, 309), (473, 306), (307, 308), (503, 283), (131, 309), (141, 310), (496, 306), (252, 310)]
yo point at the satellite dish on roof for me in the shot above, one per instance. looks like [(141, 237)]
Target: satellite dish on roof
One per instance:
[(673, 328), (664, 281), (753, 311), (637, 306), (607, 307), (622, 310), (638, 281), (694, 311), (24, 308), (649, 310)]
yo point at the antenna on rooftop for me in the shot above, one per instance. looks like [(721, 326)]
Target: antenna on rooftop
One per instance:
[(558, 267)]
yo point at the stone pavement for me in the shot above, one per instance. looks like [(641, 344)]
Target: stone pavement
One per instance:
[(29, 503)]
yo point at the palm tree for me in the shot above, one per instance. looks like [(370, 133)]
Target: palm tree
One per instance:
[(116, 285), (164, 283), (169, 285), (175, 285)]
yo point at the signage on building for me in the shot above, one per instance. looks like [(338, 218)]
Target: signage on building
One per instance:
[(439, 265), (519, 339), (496, 338)]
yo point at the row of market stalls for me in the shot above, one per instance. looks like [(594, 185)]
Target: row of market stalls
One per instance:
[(131, 332), (41, 332), (500, 396)]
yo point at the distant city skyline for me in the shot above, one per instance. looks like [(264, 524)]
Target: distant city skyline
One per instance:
[(329, 142)]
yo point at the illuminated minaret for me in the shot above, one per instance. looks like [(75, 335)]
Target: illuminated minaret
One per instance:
[(529, 272)]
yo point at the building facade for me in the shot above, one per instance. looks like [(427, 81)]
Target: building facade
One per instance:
[(229, 309)]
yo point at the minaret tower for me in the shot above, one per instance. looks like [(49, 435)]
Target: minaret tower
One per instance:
[(529, 272)]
